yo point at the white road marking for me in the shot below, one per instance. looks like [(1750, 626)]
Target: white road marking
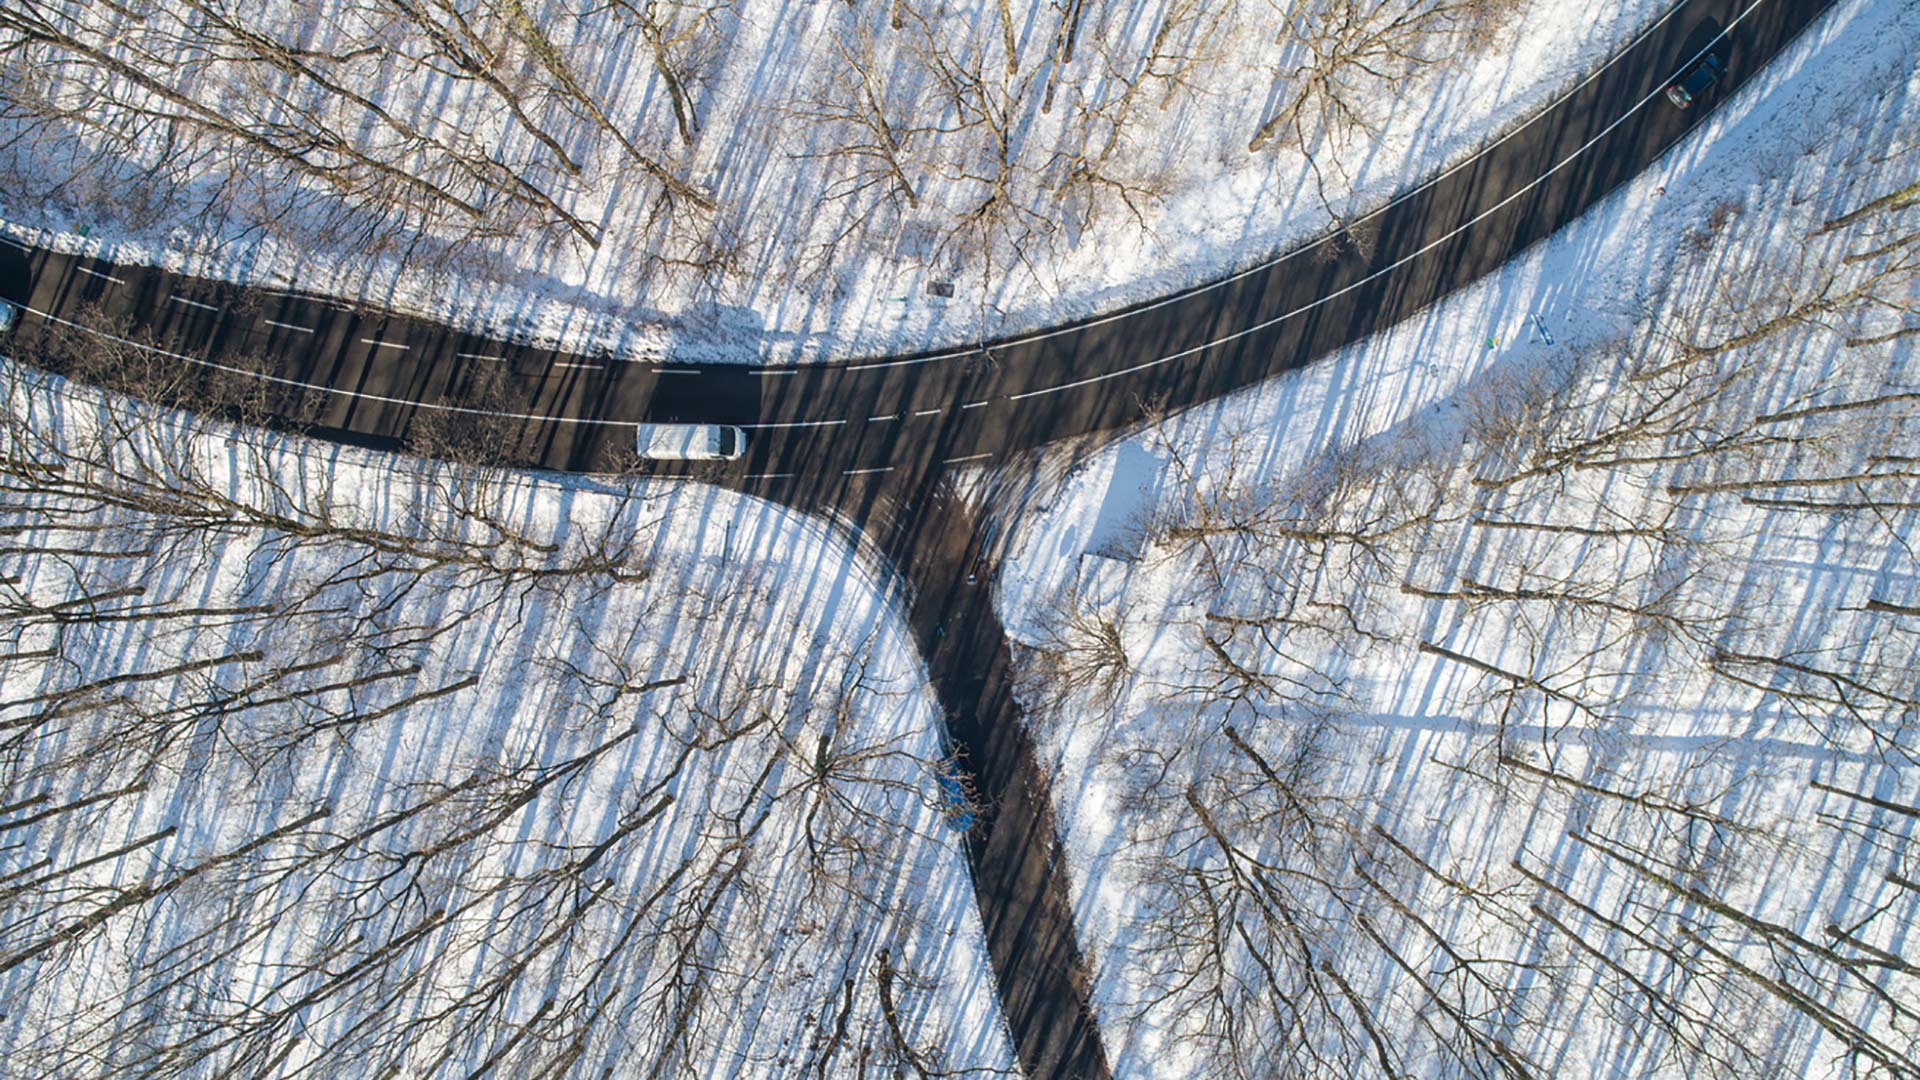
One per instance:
[(882, 419), (977, 404), (1044, 335), (381, 398), (476, 356), (928, 412), (589, 367), (767, 476), (1404, 260), (867, 472), (675, 371), (773, 371), (178, 299), (98, 274), (16, 243), (286, 326), (969, 457), (1269, 264), (791, 424), (384, 344)]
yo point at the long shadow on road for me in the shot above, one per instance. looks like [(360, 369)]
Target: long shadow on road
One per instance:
[(1020, 875), (368, 378)]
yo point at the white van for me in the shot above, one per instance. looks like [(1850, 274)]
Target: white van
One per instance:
[(690, 442)]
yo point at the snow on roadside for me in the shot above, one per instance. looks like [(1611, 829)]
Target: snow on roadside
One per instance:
[(560, 773), (1407, 738), (1218, 206)]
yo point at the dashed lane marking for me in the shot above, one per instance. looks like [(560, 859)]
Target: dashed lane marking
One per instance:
[(287, 326), (791, 424), (977, 404), (1220, 283), (98, 274), (178, 299), (1390, 268), (868, 472), (928, 412), (883, 419), (385, 344), (675, 371), (279, 380), (968, 457), (476, 356)]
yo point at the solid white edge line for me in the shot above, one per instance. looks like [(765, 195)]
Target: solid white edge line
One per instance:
[(288, 326), (21, 244), (1618, 55), (98, 274), (1615, 58), (380, 398), (178, 299), (1390, 268)]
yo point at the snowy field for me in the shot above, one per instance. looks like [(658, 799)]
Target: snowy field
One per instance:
[(747, 180), (323, 763), (1511, 697)]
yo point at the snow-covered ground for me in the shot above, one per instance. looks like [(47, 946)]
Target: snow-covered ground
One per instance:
[(1042, 187), (318, 762), (1499, 696)]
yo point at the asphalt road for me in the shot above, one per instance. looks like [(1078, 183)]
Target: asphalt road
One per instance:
[(871, 440)]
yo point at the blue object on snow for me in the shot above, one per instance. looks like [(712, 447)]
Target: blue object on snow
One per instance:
[(959, 808)]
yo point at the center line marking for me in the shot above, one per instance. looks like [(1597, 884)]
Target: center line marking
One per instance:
[(384, 344), (792, 424), (864, 472), (98, 274), (287, 326), (178, 299)]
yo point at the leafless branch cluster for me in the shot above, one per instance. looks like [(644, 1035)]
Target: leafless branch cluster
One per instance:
[(267, 809), (207, 96)]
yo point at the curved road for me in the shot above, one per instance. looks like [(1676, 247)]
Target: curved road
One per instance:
[(869, 440)]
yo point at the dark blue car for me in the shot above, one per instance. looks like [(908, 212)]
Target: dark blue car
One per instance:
[(1694, 82)]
